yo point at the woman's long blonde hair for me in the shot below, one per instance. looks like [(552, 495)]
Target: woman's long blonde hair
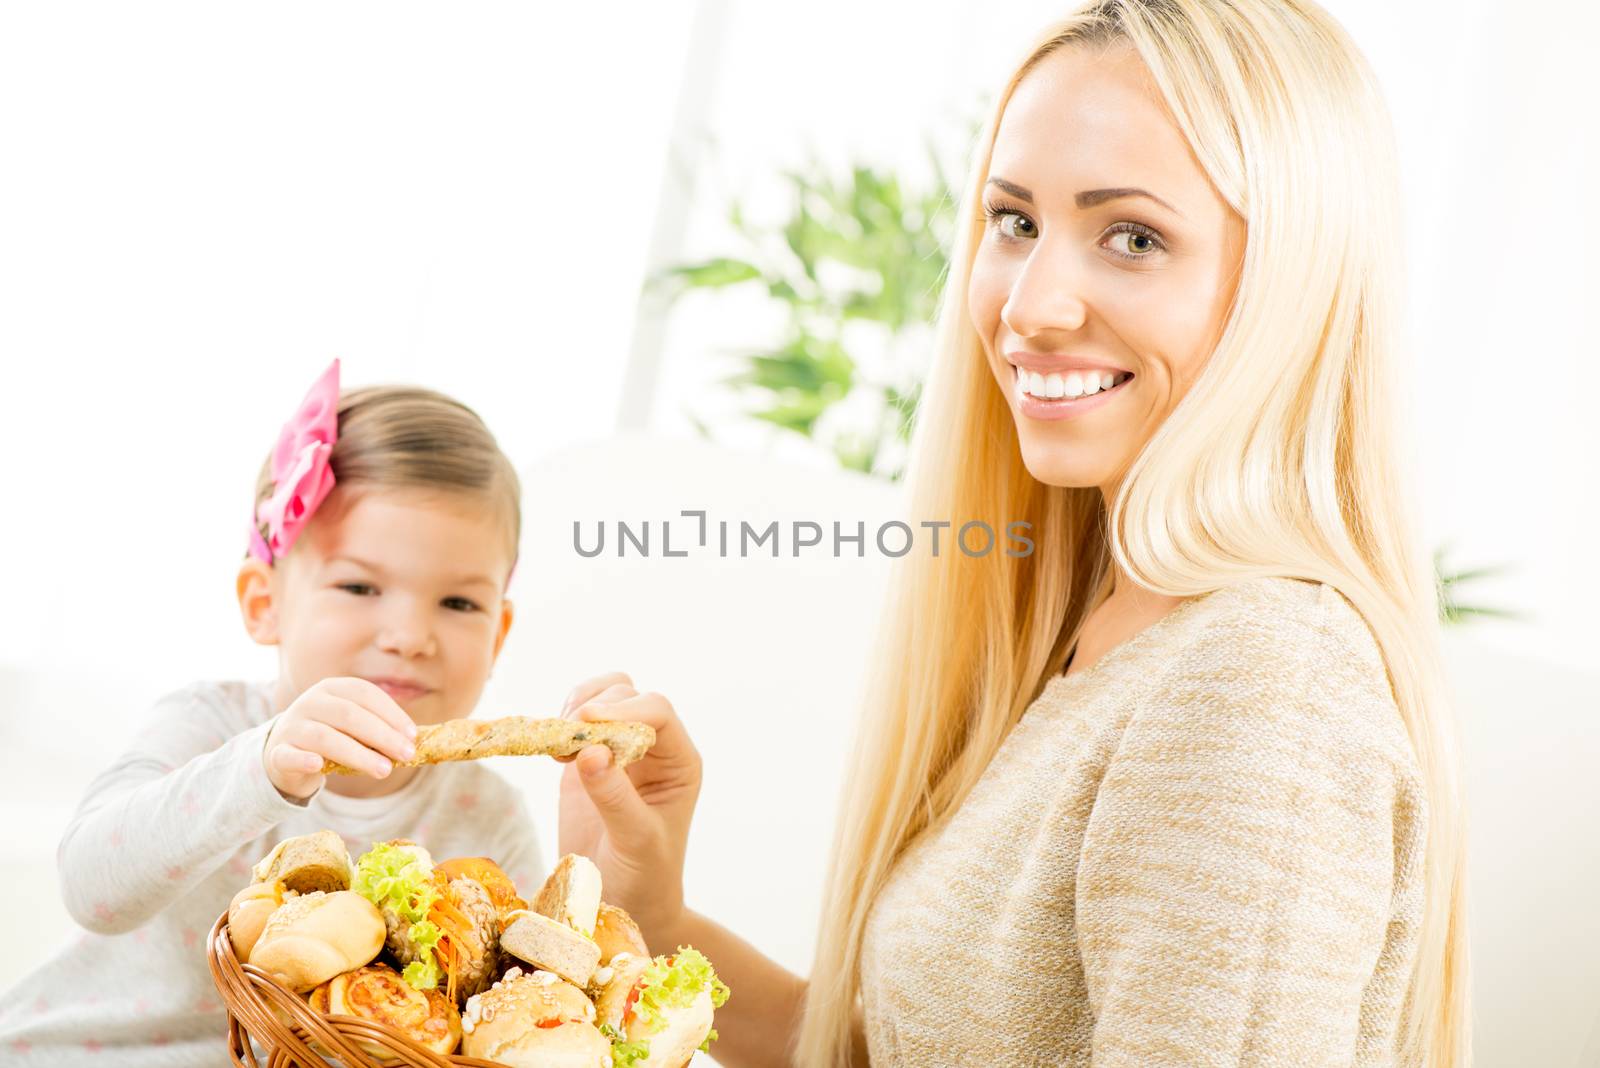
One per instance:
[(1284, 459)]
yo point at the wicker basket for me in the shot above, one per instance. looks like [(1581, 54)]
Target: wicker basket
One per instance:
[(248, 994)]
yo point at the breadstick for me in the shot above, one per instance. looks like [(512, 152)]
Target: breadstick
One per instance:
[(469, 739)]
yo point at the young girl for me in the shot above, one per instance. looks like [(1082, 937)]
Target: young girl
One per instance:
[(384, 537)]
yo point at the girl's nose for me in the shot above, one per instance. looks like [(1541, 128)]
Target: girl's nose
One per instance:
[(1046, 294), (407, 632)]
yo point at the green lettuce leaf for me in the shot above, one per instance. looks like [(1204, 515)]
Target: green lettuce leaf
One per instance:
[(396, 880), (676, 985), (624, 1054)]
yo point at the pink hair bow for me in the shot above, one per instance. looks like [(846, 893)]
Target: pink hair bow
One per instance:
[(301, 474)]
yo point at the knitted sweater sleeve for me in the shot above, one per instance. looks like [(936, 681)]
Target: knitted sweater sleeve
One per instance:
[(1236, 901)]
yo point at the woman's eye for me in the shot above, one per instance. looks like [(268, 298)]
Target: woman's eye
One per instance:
[(1017, 226), (1139, 244), (1012, 224), (360, 589), (460, 604)]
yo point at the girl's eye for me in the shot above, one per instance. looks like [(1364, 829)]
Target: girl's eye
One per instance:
[(460, 604), (1142, 242), (360, 589)]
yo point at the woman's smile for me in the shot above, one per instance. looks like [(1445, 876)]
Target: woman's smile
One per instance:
[(1065, 395)]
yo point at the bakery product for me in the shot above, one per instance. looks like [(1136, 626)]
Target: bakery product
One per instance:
[(376, 992), (615, 932), (470, 739), (659, 1011), (488, 874), (616, 986), (248, 913), (440, 929), (311, 938), (307, 863), (586, 993), (551, 945), (534, 1020), (571, 894)]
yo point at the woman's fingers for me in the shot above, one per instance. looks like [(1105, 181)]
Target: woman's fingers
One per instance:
[(672, 740), (626, 815), (618, 690), (590, 689)]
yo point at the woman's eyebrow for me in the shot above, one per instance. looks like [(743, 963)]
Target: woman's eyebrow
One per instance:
[(1088, 198)]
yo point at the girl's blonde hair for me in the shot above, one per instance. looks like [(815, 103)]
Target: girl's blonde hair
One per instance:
[(1284, 459), (408, 437)]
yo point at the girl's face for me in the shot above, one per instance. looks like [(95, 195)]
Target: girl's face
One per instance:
[(1079, 272), (404, 589)]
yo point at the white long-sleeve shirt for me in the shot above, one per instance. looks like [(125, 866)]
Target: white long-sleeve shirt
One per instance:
[(162, 841)]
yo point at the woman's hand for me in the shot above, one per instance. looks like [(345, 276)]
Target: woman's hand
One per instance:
[(351, 721), (633, 822)]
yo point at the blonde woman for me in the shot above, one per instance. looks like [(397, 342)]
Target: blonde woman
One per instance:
[(1180, 786)]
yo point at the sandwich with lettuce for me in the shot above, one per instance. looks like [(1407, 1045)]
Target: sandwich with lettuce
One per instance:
[(649, 1011), (443, 924)]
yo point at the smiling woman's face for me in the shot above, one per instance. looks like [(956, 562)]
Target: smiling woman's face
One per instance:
[(1080, 282)]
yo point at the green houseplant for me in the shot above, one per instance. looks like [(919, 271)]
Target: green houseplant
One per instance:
[(857, 267)]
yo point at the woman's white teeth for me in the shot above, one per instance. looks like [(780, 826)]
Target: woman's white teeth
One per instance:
[(1071, 384)]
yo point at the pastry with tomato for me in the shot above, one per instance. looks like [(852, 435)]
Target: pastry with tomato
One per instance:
[(534, 1020), (658, 1011)]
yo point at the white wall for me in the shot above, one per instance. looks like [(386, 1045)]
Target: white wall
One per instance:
[(202, 204)]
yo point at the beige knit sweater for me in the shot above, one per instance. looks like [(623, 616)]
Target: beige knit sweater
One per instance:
[(1205, 849)]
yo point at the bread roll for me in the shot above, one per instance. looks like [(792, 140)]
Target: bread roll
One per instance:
[(316, 936), (674, 1044), (615, 932), (376, 992), (487, 874), (554, 946), (571, 894), (674, 1038), (477, 950), (614, 983), (308, 863), (248, 913), (534, 1020)]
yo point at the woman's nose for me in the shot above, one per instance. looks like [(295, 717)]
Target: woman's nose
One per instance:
[(1046, 294)]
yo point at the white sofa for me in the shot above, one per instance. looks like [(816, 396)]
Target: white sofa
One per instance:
[(773, 651)]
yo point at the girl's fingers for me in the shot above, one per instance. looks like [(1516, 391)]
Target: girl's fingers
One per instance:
[(367, 727), (324, 740), (292, 760), (373, 697)]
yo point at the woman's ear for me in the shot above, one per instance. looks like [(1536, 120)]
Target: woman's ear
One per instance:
[(506, 615), (257, 607)]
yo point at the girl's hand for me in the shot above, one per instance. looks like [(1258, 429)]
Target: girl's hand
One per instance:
[(351, 721), (634, 822)]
